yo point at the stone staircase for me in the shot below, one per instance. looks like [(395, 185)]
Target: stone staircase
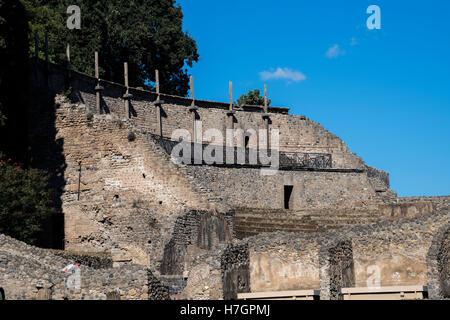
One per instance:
[(163, 163), (204, 194), (250, 221)]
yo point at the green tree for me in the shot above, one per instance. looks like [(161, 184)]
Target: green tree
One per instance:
[(252, 98), (25, 203), (147, 34)]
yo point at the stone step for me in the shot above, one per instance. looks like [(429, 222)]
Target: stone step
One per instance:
[(271, 228), (306, 212), (294, 219)]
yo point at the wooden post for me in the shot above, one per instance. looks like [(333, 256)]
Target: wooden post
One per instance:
[(158, 104), (266, 117), (36, 44), (230, 125), (231, 95), (193, 110), (96, 65), (230, 112), (157, 81), (127, 93), (265, 98), (68, 55), (98, 87), (125, 73), (192, 88)]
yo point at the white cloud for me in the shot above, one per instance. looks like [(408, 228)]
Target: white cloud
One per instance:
[(335, 52), (282, 73), (353, 42)]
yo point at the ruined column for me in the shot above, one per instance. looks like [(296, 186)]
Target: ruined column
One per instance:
[(158, 104), (193, 109), (127, 96), (98, 87)]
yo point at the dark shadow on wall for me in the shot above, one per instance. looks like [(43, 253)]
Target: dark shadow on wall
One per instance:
[(47, 151), (132, 110), (104, 109)]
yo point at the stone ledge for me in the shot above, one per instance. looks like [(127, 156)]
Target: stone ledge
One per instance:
[(392, 289), (280, 294)]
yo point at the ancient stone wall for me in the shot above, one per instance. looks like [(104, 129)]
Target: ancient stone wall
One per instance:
[(30, 273), (247, 187), (121, 194), (199, 228), (296, 132), (400, 252), (235, 269), (342, 269)]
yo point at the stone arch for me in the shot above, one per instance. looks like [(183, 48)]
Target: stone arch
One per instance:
[(2, 294), (438, 264), (212, 230)]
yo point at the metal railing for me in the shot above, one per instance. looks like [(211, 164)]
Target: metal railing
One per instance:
[(244, 156)]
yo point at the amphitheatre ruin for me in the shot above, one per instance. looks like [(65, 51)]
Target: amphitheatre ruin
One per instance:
[(324, 225)]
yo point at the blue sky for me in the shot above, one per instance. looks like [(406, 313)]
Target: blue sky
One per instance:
[(385, 92)]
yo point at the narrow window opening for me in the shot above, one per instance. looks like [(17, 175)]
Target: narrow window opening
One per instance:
[(247, 139), (287, 196)]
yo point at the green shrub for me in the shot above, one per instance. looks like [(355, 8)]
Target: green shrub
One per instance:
[(25, 201)]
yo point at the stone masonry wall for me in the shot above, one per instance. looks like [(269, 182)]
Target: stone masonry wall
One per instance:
[(128, 194), (407, 251), (28, 273), (296, 132), (247, 187), (121, 194)]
